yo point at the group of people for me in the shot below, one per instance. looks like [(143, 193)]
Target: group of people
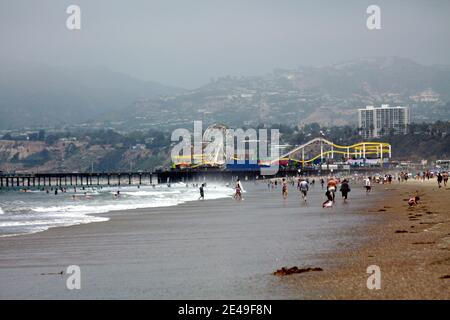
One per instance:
[(441, 177), (331, 191), (237, 191), (304, 184)]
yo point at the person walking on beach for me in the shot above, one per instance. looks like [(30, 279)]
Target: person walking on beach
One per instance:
[(284, 188), (439, 179), (303, 187), (329, 202), (202, 192), (331, 186), (345, 189), (445, 176), (367, 185)]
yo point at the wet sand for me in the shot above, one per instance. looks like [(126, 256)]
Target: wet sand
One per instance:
[(223, 249), (411, 246)]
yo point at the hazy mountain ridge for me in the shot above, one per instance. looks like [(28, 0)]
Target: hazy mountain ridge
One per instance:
[(329, 95)]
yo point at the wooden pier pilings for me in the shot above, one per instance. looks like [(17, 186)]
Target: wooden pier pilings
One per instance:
[(44, 180)]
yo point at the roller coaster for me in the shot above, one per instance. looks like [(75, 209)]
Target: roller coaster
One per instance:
[(358, 151), (317, 150)]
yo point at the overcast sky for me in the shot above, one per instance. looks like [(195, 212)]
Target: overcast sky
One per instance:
[(186, 43)]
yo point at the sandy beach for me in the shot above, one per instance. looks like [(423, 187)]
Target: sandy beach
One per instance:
[(223, 249), (411, 246)]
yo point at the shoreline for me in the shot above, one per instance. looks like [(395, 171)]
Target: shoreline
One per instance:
[(110, 212)]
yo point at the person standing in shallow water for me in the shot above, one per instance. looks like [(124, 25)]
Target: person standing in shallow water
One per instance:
[(202, 192), (238, 190)]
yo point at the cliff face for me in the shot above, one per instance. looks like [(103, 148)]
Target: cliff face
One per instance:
[(18, 150), (74, 156)]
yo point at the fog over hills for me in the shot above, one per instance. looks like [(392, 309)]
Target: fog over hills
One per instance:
[(39, 95), (35, 95)]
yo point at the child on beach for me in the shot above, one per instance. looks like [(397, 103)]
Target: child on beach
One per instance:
[(414, 201)]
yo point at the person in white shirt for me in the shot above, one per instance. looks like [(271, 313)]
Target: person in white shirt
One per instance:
[(304, 187), (368, 185)]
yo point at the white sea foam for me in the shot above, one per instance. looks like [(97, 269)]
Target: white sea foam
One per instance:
[(30, 213)]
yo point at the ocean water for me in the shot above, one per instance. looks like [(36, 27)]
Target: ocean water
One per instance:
[(36, 211), (220, 249)]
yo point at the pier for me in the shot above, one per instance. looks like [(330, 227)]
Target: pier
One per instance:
[(46, 180), (62, 180)]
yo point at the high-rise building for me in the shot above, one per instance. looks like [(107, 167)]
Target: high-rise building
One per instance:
[(377, 122)]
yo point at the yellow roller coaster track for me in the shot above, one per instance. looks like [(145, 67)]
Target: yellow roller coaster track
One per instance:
[(360, 149)]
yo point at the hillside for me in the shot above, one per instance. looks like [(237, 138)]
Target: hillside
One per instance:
[(328, 95), (73, 155), (42, 96)]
